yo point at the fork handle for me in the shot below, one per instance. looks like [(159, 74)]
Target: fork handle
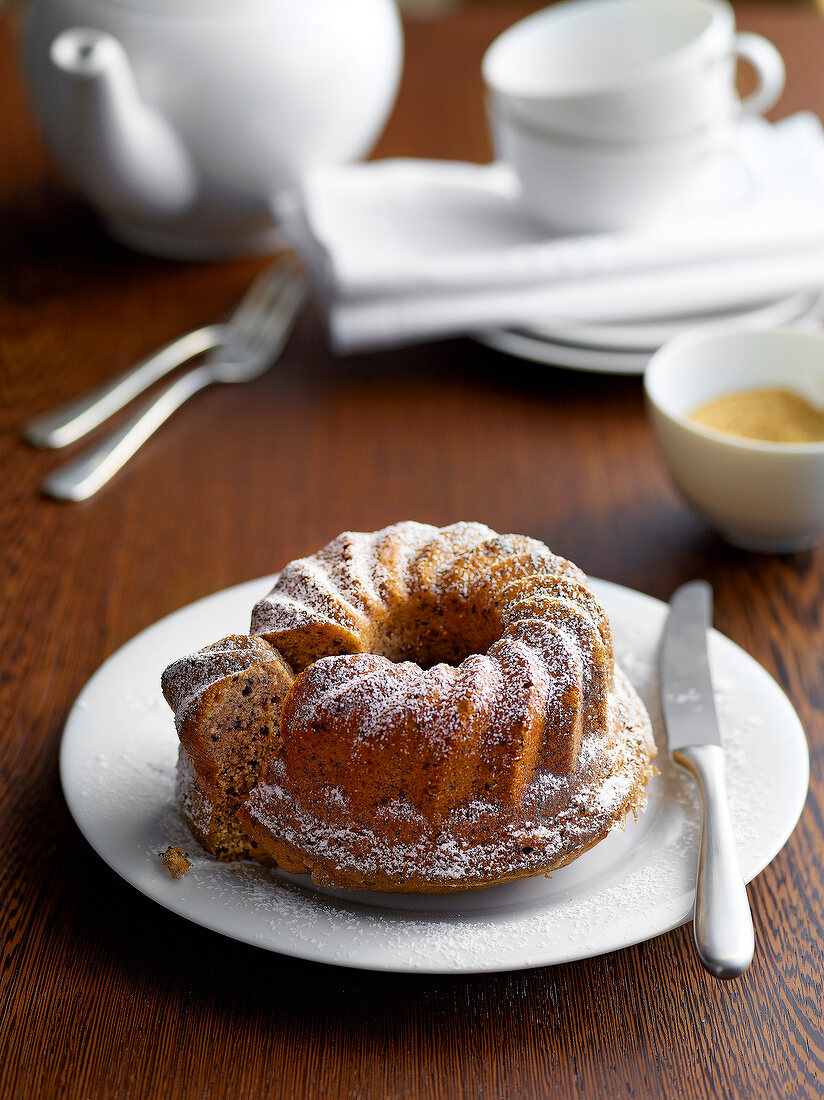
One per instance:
[(84, 475), (81, 415)]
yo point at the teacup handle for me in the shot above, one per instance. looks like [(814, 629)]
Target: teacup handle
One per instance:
[(769, 69)]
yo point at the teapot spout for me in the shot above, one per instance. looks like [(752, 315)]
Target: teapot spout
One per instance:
[(126, 156)]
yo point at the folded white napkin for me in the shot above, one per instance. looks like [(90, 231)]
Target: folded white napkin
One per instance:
[(406, 250)]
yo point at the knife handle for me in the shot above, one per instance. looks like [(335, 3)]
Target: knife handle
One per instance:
[(722, 923)]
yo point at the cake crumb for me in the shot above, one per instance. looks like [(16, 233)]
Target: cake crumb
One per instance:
[(176, 862)]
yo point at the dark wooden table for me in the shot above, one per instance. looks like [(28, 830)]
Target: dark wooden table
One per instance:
[(104, 994)]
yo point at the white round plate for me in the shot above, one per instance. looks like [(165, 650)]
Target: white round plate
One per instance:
[(117, 764)]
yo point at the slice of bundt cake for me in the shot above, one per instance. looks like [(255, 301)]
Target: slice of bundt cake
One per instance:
[(458, 720), (227, 701)]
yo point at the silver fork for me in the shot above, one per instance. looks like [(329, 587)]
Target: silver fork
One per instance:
[(81, 415), (252, 348)]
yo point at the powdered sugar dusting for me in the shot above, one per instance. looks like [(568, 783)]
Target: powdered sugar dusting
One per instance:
[(480, 839), (309, 585), (185, 680)]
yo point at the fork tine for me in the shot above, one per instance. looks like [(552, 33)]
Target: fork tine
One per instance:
[(242, 362), (276, 292), (269, 308), (270, 330), (256, 303)]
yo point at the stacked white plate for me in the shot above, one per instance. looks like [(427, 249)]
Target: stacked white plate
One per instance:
[(625, 348)]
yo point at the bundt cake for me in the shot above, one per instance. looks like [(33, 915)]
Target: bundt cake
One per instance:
[(457, 719)]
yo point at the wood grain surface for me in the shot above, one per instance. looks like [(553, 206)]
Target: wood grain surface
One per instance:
[(104, 994)]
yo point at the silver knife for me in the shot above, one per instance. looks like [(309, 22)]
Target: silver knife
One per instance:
[(722, 922)]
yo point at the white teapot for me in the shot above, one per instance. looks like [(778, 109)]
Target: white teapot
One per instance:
[(180, 120)]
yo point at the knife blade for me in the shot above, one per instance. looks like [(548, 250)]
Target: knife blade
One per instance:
[(722, 922)]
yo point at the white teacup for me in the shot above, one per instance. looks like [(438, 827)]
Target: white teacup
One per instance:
[(586, 187), (628, 70)]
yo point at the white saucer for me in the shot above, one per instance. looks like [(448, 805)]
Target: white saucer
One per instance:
[(117, 769), (650, 335), (626, 348), (539, 349)]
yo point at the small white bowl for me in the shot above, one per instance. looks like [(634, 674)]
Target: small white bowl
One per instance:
[(761, 496)]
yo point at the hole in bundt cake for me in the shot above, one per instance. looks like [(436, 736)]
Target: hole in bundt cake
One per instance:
[(431, 634)]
